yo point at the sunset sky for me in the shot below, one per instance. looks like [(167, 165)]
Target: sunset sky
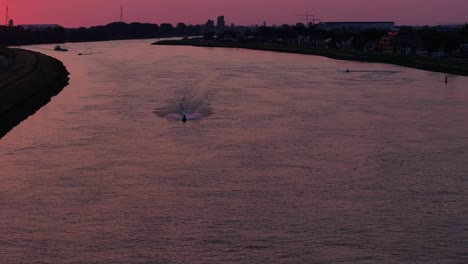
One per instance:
[(76, 13)]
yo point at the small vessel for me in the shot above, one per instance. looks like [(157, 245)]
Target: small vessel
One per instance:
[(58, 48)]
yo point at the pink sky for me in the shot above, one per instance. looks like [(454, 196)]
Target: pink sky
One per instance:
[(75, 13)]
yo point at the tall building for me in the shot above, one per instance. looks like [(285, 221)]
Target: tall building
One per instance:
[(221, 23), (209, 25)]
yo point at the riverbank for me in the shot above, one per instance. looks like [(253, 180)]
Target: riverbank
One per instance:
[(444, 65), (28, 81)]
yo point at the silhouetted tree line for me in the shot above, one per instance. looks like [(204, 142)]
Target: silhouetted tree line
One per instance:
[(285, 32), (291, 31), (431, 38), (434, 38), (114, 31)]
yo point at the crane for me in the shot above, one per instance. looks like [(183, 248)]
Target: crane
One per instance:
[(308, 18)]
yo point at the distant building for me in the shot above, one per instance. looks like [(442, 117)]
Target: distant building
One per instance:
[(403, 50), (209, 25), (10, 23), (463, 51), (371, 46), (3, 60), (361, 26), (385, 44), (221, 24), (39, 26), (346, 44), (421, 52), (438, 53), (322, 43), (407, 42)]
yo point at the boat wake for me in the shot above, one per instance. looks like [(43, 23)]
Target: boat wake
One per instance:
[(374, 71), (191, 109)]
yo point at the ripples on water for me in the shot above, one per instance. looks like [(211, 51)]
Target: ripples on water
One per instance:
[(294, 161)]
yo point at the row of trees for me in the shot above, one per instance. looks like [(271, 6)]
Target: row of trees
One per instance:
[(431, 38), (19, 36)]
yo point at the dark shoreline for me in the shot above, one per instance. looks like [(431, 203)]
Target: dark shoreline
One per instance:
[(33, 81), (443, 65)]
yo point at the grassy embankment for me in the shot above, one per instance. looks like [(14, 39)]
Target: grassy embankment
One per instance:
[(28, 80), (445, 65)]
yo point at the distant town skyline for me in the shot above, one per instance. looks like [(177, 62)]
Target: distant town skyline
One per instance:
[(241, 12)]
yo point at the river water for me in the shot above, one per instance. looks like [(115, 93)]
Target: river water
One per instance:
[(285, 158)]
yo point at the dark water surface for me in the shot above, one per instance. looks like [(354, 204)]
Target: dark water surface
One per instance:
[(287, 159)]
